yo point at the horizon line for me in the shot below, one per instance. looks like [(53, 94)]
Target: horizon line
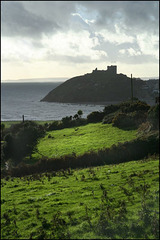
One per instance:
[(58, 78)]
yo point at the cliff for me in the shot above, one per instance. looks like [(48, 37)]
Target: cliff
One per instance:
[(97, 87)]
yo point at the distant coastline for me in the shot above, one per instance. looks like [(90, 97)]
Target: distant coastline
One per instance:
[(58, 79), (148, 78)]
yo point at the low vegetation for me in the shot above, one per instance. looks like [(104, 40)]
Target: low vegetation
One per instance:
[(111, 202), (21, 141)]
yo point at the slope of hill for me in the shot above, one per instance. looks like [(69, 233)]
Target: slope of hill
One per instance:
[(81, 140)]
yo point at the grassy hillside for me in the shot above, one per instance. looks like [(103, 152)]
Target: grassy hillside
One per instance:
[(110, 202), (82, 139)]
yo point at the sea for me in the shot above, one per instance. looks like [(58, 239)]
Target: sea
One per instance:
[(23, 98)]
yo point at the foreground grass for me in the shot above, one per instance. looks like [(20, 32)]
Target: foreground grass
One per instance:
[(79, 140), (116, 201)]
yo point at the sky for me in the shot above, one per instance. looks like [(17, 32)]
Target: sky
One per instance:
[(53, 39)]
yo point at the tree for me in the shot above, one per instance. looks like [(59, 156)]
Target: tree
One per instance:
[(23, 142), (6, 147), (80, 113), (75, 116)]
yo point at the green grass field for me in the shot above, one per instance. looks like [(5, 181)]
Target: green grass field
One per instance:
[(110, 202), (79, 140)]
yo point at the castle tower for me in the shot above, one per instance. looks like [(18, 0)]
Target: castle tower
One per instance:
[(112, 69)]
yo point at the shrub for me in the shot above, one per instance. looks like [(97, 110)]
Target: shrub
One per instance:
[(124, 121), (153, 116), (8, 146), (108, 118), (126, 114), (22, 142), (95, 117), (80, 113), (139, 117), (79, 122), (56, 125), (67, 121), (129, 120), (127, 107), (3, 157), (111, 109)]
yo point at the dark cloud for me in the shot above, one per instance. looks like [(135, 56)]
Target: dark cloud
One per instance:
[(17, 21), (54, 11), (141, 15), (130, 15), (32, 18)]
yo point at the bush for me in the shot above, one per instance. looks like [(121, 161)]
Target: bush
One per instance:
[(22, 142), (126, 114), (56, 125), (67, 121), (124, 121), (3, 157), (129, 120), (127, 107), (8, 146), (80, 113), (153, 116), (108, 118), (79, 122), (111, 108), (95, 117)]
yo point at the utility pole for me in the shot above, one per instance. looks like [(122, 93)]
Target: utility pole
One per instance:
[(131, 88)]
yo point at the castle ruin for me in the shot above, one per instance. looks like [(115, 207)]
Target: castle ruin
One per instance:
[(112, 70)]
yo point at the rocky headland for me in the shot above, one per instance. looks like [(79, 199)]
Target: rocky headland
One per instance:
[(103, 86)]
